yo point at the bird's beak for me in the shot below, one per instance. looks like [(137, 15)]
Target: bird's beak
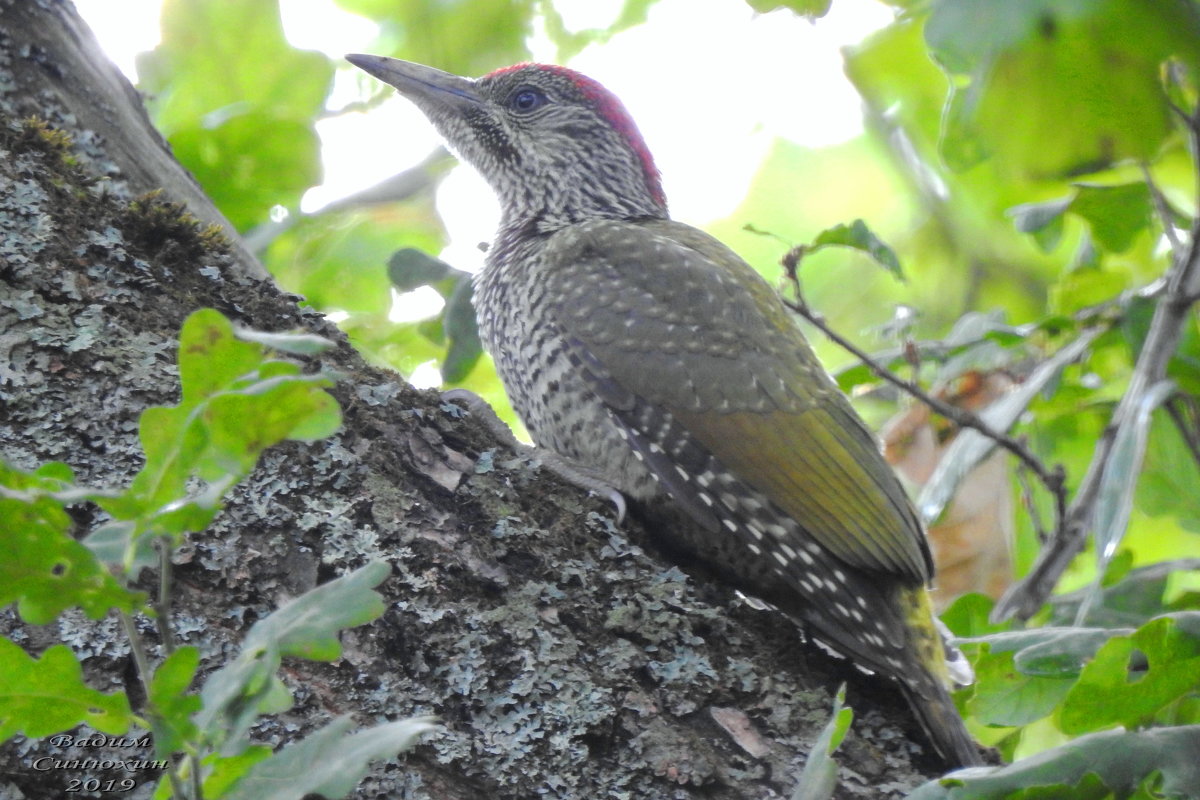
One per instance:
[(425, 86)]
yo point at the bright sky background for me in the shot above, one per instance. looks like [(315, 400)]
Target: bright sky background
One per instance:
[(715, 65), (699, 78)]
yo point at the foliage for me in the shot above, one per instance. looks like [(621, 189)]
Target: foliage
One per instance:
[(1031, 164), (1100, 235), (238, 398), (238, 103), (47, 695), (410, 269), (1143, 764), (1128, 693), (1022, 133)]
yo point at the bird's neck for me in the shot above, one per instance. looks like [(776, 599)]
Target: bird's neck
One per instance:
[(516, 240), (518, 222), (544, 206)]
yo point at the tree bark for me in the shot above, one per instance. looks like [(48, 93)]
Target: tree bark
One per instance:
[(566, 657)]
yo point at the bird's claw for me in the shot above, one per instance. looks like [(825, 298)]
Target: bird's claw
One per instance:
[(618, 501)]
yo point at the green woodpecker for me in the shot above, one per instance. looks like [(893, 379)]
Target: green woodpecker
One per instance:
[(654, 360)]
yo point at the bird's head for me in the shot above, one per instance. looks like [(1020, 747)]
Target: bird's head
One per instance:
[(555, 145)]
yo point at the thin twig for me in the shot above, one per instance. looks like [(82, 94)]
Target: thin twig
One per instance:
[(197, 786), (1051, 479), (162, 604), (1027, 500), (142, 661), (138, 649)]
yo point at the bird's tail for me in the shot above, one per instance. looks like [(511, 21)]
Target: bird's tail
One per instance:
[(926, 685), (934, 709)]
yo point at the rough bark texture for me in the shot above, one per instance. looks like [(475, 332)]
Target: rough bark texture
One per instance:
[(566, 657)]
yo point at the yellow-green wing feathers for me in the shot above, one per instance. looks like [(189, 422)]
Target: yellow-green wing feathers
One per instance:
[(696, 331)]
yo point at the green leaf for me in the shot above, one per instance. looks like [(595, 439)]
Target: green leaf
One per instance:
[(402, 347), (251, 162), (329, 762), (410, 268), (1003, 695), (893, 72), (211, 356), (1017, 640), (44, 569), (462, 331), (456, 325), (858, 236), (820, 775), (238, 103), (307, 627), (1059, 87), (1087, 284), (41, 697), (214, 54), (237, 401), (1170, 474), (244, 423), (172, 723), (1113, 689), (1115, 214), (1128, 601), (336, 258), (225, 771), (1044, 221), (466, 37), (1113, 763), (570, 43), (970, 615), (114, 543), (1063, 654)]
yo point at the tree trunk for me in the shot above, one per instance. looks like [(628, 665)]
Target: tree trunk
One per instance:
[(563, 658)]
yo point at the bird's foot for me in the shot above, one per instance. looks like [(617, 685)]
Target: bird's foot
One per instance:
[(479, 408), (568, 469), (582, 476)]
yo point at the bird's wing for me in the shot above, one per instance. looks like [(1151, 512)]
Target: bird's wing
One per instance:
[(662, 317)]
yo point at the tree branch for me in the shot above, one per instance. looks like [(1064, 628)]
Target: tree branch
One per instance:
[(1025, 597), (421, 177), (72, 72)]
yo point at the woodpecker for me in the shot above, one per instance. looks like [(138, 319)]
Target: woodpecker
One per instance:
[(651, 357)]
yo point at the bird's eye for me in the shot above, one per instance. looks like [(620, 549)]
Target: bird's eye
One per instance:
[(527, 99)]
